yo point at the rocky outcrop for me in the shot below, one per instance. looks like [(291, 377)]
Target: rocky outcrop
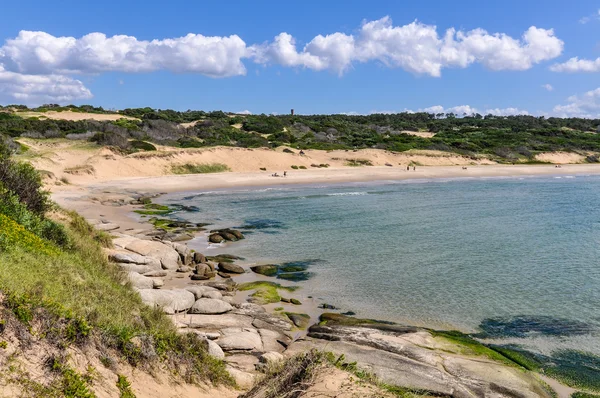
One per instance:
[(415, 359), (266, 269), (237, 339), (143, 282), (231, 268), (170, 301), (220, 235), (168, 257), (210, 306)]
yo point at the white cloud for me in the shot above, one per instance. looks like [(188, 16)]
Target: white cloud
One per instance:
[(575, 64), (461, 110), (548, 87), (415, 47), (37, 89), (244, 112), (42, 53), (586, 19), (586, 105)]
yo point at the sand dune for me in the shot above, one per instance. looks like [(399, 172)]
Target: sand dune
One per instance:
[(75, 116)]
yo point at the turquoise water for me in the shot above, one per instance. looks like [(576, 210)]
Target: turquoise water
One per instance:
[(444, 253)]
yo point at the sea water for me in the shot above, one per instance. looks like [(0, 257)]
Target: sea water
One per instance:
[(514, 259)]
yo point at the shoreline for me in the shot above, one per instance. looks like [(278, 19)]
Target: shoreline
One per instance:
[(200, 182)]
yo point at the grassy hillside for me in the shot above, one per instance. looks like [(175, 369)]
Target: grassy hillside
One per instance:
[(57, 284)]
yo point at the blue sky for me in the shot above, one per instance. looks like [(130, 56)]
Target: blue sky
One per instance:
[(371, 56)]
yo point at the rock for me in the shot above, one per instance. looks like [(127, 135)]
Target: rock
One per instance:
[(214, 295), (199, 258), (228, 236), (138, 268), (200, 291), (227, 285), (210, 274), (295, 301), (271, 338), (215, 238), (210, 306), (328, 306), (244, 340), (171, 301), (223, 275), (158, 283), (236, 233), (186, 259), (243, 362), (196, 277), (266, 269), (184, 269), (271, 357), (244, 380), (231, 268), (228, 299), (285, 300), (299, 320), (212, 266), (202, 269), (107, 226), (128, 257), (212, 323), (214, 350), (139, 281), (156, 274), (169, 258)]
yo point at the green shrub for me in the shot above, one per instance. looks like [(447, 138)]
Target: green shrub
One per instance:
[(294, 167), (24, 181), (143, 145), (202, 168), (124, 387), (302, 167)]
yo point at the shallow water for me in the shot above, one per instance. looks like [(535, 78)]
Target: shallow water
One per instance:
[(444, 253)]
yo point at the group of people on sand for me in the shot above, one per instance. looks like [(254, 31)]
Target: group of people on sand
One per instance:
[(277, 175), (408, 168), (557, 166)]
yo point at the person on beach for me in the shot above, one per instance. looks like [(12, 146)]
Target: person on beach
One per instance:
[(414, 168), (285, 173), (407, 168), (301, 152)]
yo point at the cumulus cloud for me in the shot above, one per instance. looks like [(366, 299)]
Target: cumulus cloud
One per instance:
[(42, 53), (468, 110), (35, 89), (414, 47), (575, 64), (586, 105), (548, 87), (244, 112)]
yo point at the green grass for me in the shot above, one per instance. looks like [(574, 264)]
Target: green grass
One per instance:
[(466, 345), (358, 162), (75, 293), (124, 387), (202, 168), (266, 292), (154, 209)]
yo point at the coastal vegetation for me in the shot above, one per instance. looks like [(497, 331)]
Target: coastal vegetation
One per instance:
[(203, 168), (58, 287), (503, 138)]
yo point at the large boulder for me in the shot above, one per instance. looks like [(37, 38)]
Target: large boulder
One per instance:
[(215, 238), (200, 291), (199, 258), (266, 269), (210, 306), (214, 350), (127, 257), (231, 268), (168, 257), (170, 301), (202, 269), (143, 282), (240, 339)]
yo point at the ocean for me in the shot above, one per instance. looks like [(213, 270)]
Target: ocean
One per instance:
[(515, 260)]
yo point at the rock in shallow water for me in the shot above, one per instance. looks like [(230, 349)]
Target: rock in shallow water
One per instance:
[(231, 268)]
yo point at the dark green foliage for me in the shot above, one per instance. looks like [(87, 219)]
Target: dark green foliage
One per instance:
[(526, 325), (25, 182), (124, 387), (111, 139), (143, 145)]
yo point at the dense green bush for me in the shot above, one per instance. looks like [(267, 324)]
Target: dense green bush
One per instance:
[(143, 145), (24, 181)]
